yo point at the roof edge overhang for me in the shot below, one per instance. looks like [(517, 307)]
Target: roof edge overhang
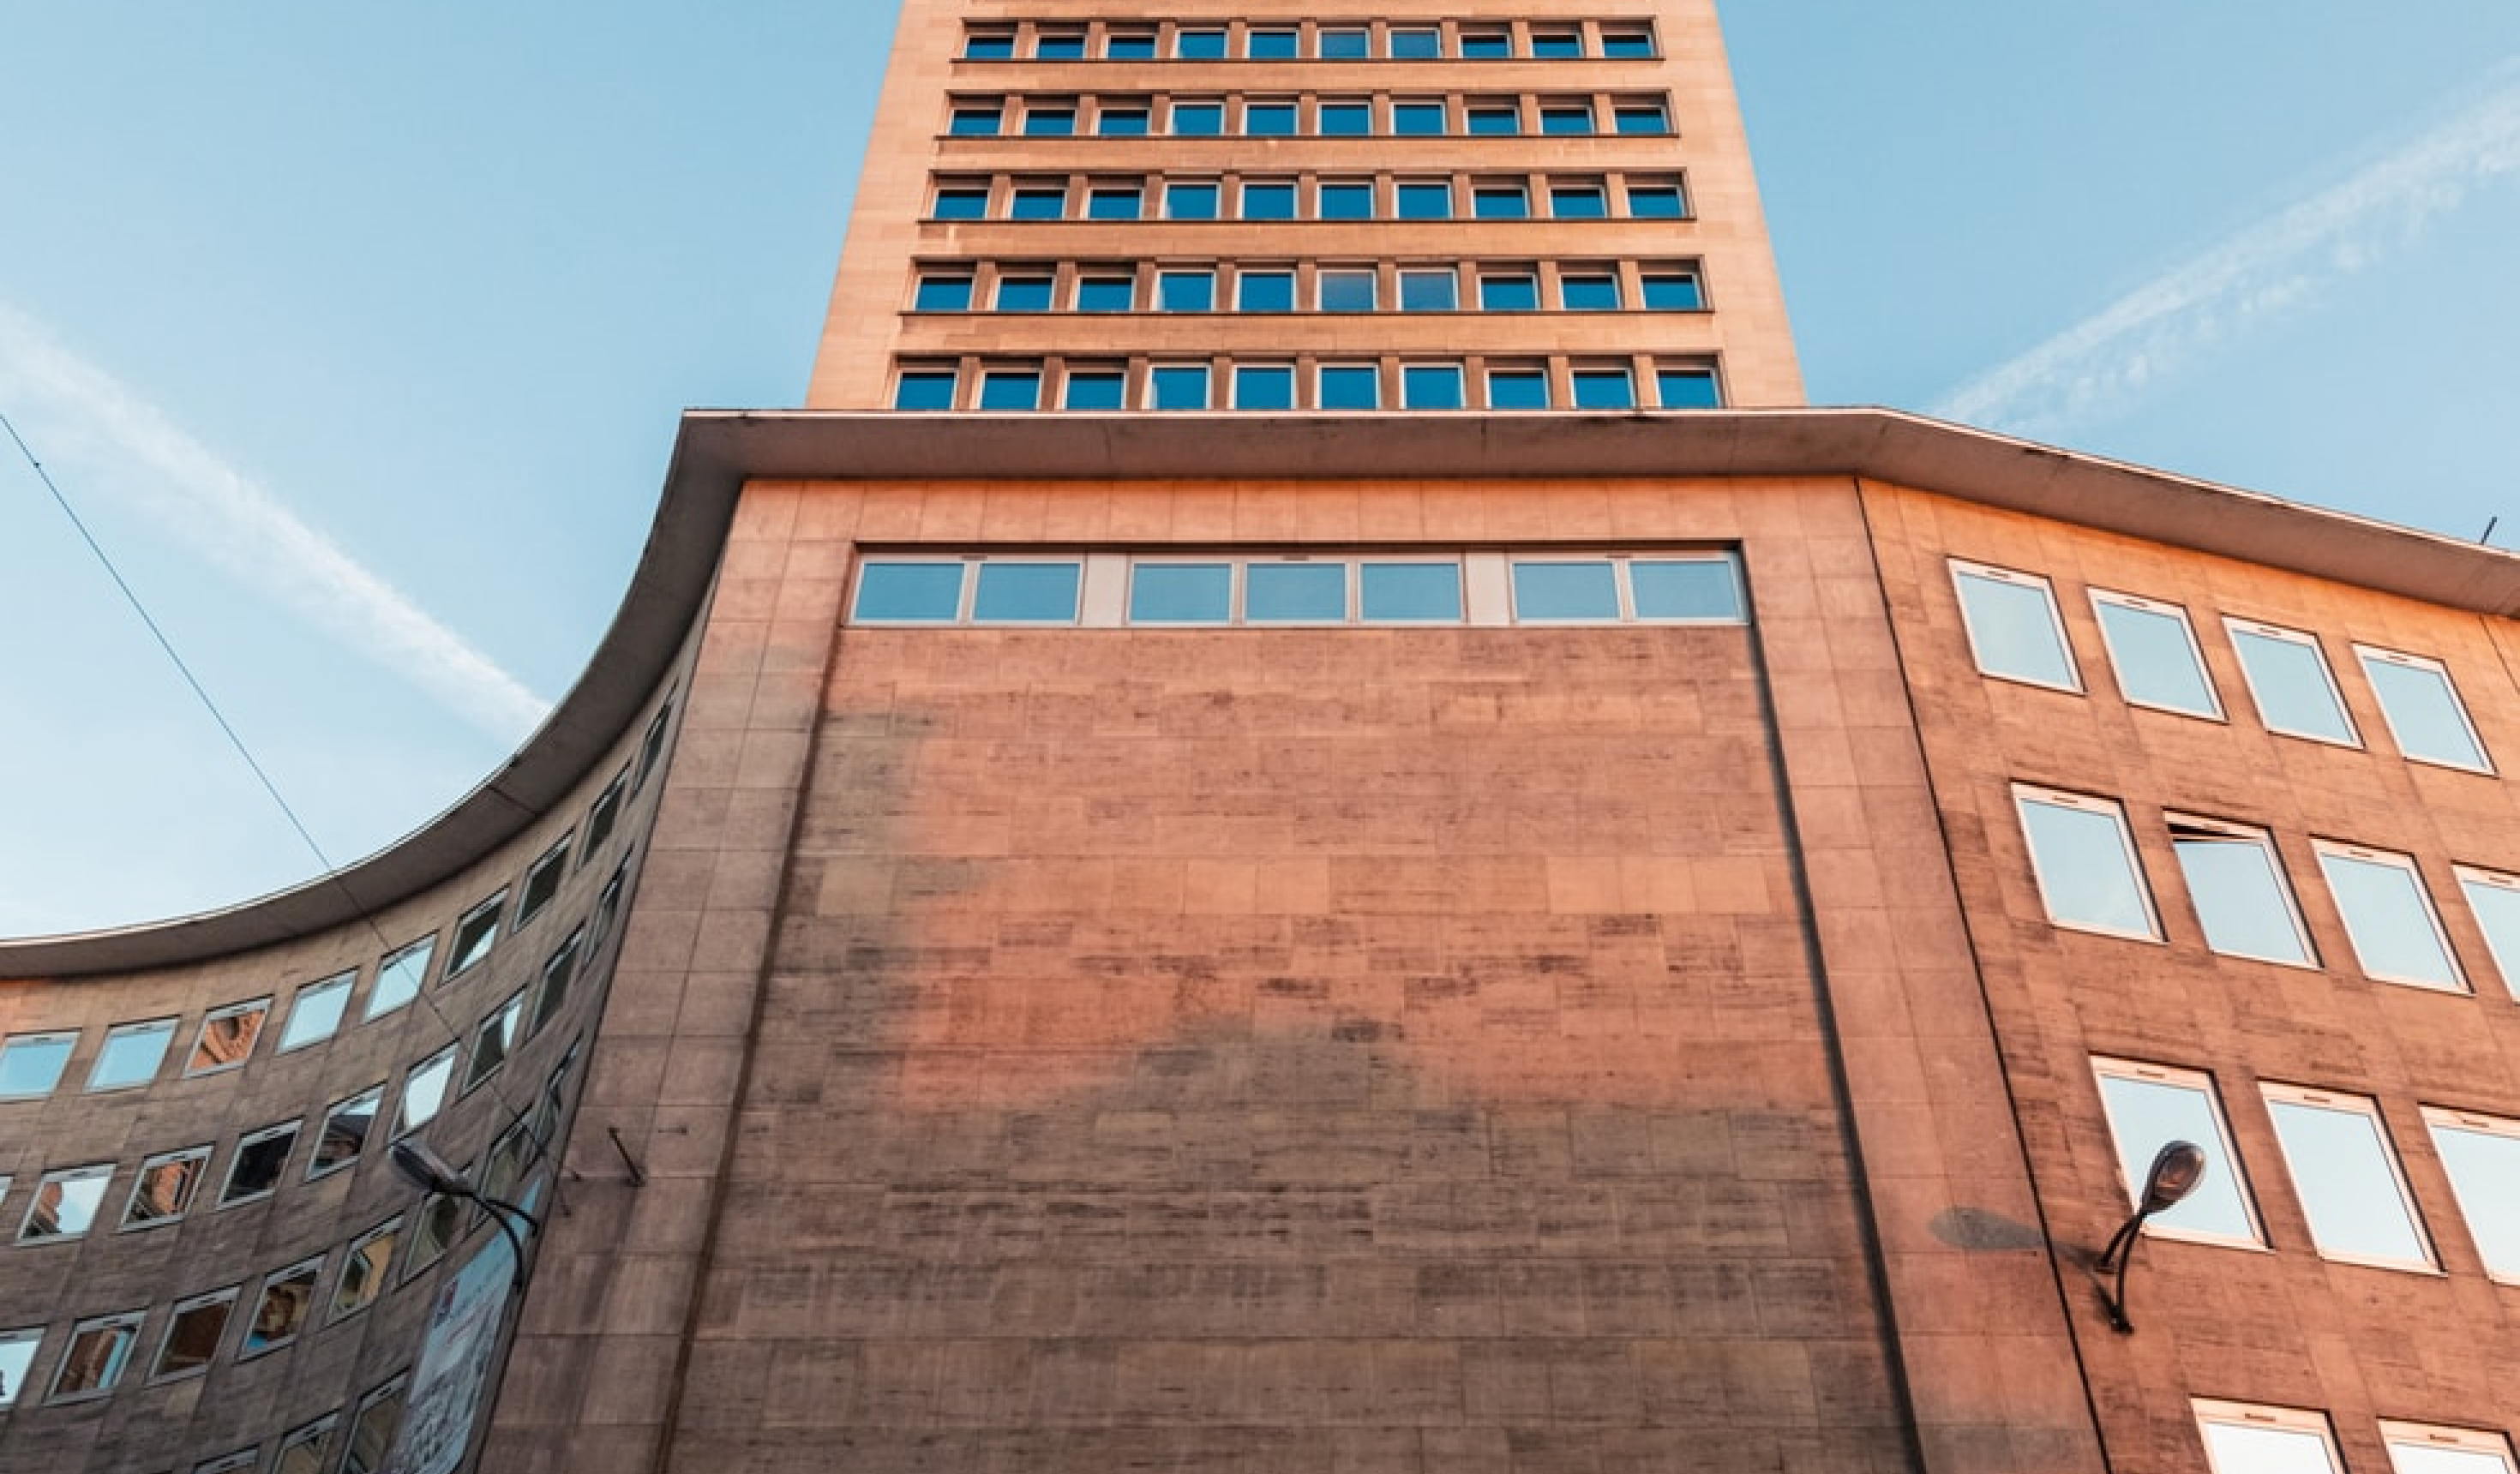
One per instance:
[(718, 451)]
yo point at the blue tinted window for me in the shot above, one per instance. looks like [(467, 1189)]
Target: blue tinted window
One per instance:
[(1409, 592), (962, 203), (1129, 48), (1509, 293), (1346, 119), (1186, 292), (1268, 202), (30, 1064), (924, 389), (1179, 386), (1688, 389), (1627, 45), (1198, 45), (1264, 386), (1121, 122), (1517, 389), (1588, 294), (1199, 120), (989, 47), (1114, 204), (1672, 291), (1181, 593), (1416, 43), (1350, 386), (1347, 201), (943, 295), (1107, 293), (1487, 46), (1095, 389), (1039, 203), (1272, 45), (1428, 291), (1604, 390), (1346, 291), (1266, 292), (1010, 389), (1431, 386), (1269, 119), (975, 121), (1578, 202), (1417, 119), (1067, 46), (1586, 590), (1344, 43), (1491, 123), (1557, 45), (1026, 594), (1307, 593), (1643, 118), (1565, 120), (1190, 201), (1023, 294), (1049, 122), (1492, 203), (1656, 201), (930, 592), (1696, 588), (131, 1055), (1426, 201)]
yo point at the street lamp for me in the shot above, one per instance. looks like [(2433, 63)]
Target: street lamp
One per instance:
[(2177, 1169), (428, 1171)]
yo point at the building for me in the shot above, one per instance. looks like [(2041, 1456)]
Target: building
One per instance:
[(1232, 926)]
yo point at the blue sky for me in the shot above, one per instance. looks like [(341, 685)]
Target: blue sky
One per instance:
[(358, 335)]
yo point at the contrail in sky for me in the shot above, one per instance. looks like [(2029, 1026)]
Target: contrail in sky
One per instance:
[(74, 413), (2293, 256)]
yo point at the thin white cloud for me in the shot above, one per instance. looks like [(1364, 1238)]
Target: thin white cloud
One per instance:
[(76, 416), (2292, 258)]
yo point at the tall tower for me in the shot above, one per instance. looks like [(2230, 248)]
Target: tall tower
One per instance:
[(1280, 206)]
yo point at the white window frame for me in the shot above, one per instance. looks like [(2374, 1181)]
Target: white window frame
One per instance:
[(2253, 1415), (2371, 655), (2104, 599), (2235, 627), (2024, 795), (1962, 569), (2432, 913), (2438, 1119), (2265, 840), (2394, 1435), (2309, 1097), (2470, 878), (2105, 1067)]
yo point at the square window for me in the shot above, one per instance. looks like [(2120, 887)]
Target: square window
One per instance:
[(989, 46), (32, 1064), (494, 1039), (2148, 1107), (477, 931), (1486, 45), (1492, 121), (1415, 592), (1508, 291), (347, 1126), (1349, 386), (1021, 293), (1107, 293), (260, 1158), (2482, 1156), (2346, 1173), (1025, 591), (1642, 118), (1181, 594), (1428, 291), (193, 1334), (1425, 200), (1517, 389), (424, 1092), (363, 1273), (1095, 389), (1658, 202), (2085, 862), (1038, 201), (942, 295), (2422, 709), (66, 1205), (1346, 199), (924, 593), (1190, 201), (960, 203), (1270, 44), (1200, 43), (2154, 653), (2288, 676), (1178, 386), (1566, 119), (165, 1191), (1264, 386), (1349, 118), (1115, 202), (1565, 590), (280, 1310), (1059, 46), (975, 119), (1042, 122), (1672, 292), (2246, 1440), (1499, 202), (1120, 122), (1588, 292), (1186, 292), (132, 1054), (542, 881), (1418, 117), (2238, 885), (1344, 43), (315, 1014), (1578, 202), (1554, 45), (2419, 1448), (1294, 592), (1688, 389), (1346, 289), (1692, 589), (1265, 292), (2388, 916), (1604, 389), (1431, 386), (1625, 44), (1416, 43), (100, 1351), (2013, 628), (1274, 199), (1130, 46), (1269, 119), (924, 389)]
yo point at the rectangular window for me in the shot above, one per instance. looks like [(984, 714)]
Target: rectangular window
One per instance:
[(1431, 386), (100, 1351), (1508, 291), (1268, 200), (1416, 43), (1200, 43), (165, 1187), (1112, 294), (477, 931), (1566, 119), (260, 1158), (2482, 1156), (2346, 1173), (1486, 43), (1428, 291), (1038, 201), (2289, 679), (347, 1126), (1199, 119), (1049, 119), (2238, 885), (942, 294), (1294, 592), (1122, 120), (1114, 202), (2388, 916), (977, 118), (1015, 591), (1493, 120), (2085, 862), (1349, 386), (916, 593), (1177, 387), (1499, 202), (1517, 388), (1425, 200), (2494, 897), (1578, 202), (1347, 118), (1264, 291), (1642, 118), (2423, 709), (373, 1430), (424, 1092), (1009, 390), (1273, 43), (542, 881), (1130, 46), (2422, 1449), (961, 202), (17, 1359), (1656, 201), (1692, 590), (1344, 43), (1557, 43), (400, 975), (32, 1064), (1181, 593), (2148, 1107), (1264, 386), (315, 1014), (1346, 199), (66, 1204), (280, 1310), (1059, 46), (1627, 43), (193, 1334), (494, 1039), (132, 1054), (989, 46), (1095, 389), (1604, 388), (1185, 201), (1418, 117), (1672, 291), (2013, 628), (1275, 120), (308, 1450), (2154, 652), (606, 813), (1581, 591), (1687, 386), (924, 389), (2244, 1439), (1017, 291), (1588, 292), (550, 991), (1344, 288), (364, 1271), (1409, 593)]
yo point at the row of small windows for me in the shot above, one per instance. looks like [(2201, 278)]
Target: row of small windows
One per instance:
[(2017, 634), (2340, 1157), (359, 1445), (1306, 115), (1113, 590), (2090, 878), (134, 1054), (2246, 1438), (1383, 197), (1327, 41), (1289, 287), (1076, 384)]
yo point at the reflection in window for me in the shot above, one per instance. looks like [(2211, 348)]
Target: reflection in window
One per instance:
[(2420, 1448), (2423, 709), (363, 1273), (1295, 593), (132, 1054), (2238, 885), (260, 1160), (2389, 917), (17, 1359), (1687, 588), (2014, 627), (66, 1204), (100, 1351), (280, 1312), (315, 1014), (2495, 898), (2155, 654), (2482, 1156), (925, 389), (30, 1064), (925, 592), (2085, 862), (2150, 1106), (475, 933), (2288, 677), (1409, 593), (165, 1187), (552, 991), (1344, 288), (399, 975), (2246, 1440), (494, 1040), (227, 1037), (1181, 593), (2347, 1174), (423, 1091), (1566, 589), (308, 1450), (1200, 44), (434, 1228), (1026, 593), (1688, 389), (372, 1431), (193, 1334), (347, 1129)]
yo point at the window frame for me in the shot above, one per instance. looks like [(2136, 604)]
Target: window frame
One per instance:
[(2240, 630), (2369, 655), (99, 1172), (222, 1299), (67, 1039), (2506, 961), (2209, 1411), (506, 1024), (2221, 831), (125, 1326), (2025, 794), (320, 1164), (286, 1132), (14, 1365), (260, 1007), (484, 919), (196, 1158), (2105, 599), (404, 1125), (2439, 1119), (1965, 570), (2308, 1098), (2397, 1433), (2328, 849), (2130, 1168), (310, 1273), (549, 872), (164, 1028), (375, 1287)]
